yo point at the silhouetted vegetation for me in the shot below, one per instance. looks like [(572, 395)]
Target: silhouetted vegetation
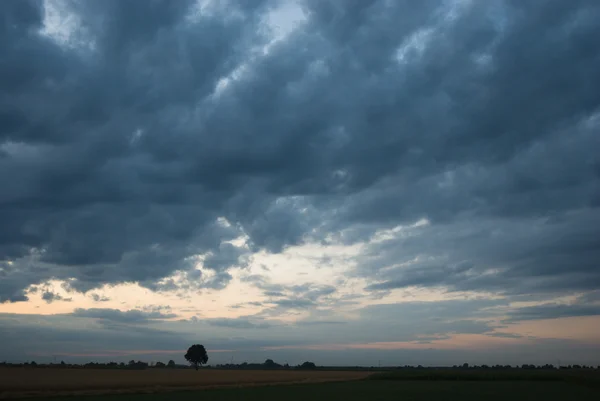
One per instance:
[(196, 355), (456, 372), (308, 366), (136, 365), (270, 364)]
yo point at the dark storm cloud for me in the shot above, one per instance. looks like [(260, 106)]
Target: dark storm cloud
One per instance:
[(89, 194), (120, 161), (12, 283), (228, 255), (523, 256)]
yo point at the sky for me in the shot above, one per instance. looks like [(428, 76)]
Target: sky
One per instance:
[(350, 182)]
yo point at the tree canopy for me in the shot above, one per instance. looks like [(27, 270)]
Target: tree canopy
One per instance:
[(308, 365), (196, 355)]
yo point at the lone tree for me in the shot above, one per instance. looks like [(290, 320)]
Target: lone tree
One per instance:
[(196, 355), (171, 364)]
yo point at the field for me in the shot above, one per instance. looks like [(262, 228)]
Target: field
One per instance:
[(19, 382), (587, 377), (372, 390), (406, 385)]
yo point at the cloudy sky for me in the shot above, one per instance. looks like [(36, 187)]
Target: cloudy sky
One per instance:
[(343, 181)]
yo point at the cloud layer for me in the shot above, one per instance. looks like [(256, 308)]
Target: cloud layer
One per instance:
[(131, 147), (171, 144)]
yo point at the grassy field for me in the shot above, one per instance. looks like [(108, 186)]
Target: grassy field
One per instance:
[(31, 382), (588, 377), (375, 390)]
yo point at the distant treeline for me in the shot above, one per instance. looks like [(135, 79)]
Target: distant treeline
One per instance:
[(269, 364), (96, 365), (136, 365)]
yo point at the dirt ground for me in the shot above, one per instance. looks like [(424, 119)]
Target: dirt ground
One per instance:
[(23, 382)]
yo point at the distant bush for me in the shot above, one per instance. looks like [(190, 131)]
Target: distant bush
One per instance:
[(307, 366)]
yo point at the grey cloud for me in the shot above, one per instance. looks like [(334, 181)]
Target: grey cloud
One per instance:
[(227, 256), (70, 336), (50, 297), (503, 335), (294, 303), (132, 316), (245, 304), (308, 290), (99, 298), (11, 288), (162, 239), (86, 333), (450, 309), (121, 162), (319, 323), (369, 324), (263, 282), (156, 308), (237, 323), (191, 280), (283, 297), (219, 281), (552, 311), (403, 322), (320, 292), (590, 297), (419, 321), (511, 257)]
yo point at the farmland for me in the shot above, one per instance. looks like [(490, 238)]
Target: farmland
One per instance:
[(50, 382), (405, 384), (375, 390)]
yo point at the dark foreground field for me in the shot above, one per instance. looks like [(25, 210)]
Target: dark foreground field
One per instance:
[(24, 382), (404, 384), (375, 390)]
